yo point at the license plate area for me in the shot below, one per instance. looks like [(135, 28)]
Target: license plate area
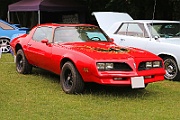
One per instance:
[(137, 82)]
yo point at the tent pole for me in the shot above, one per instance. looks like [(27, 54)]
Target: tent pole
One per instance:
[(39, 17), (8, 15)]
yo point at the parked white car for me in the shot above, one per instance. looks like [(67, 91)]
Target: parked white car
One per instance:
[(161, 37)]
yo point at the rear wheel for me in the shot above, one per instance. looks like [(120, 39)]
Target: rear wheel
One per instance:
[(22, 65), (70, 79), (5, 45), (172, 71)]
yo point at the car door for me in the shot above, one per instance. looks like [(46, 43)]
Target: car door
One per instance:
[(40, 53), (132, 35)]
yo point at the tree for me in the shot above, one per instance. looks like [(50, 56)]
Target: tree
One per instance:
[(138, 9), (4, 8)]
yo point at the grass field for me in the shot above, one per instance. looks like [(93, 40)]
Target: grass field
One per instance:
[(38, 96)]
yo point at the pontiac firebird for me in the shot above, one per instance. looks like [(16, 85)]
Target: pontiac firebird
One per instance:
[(82, 53)]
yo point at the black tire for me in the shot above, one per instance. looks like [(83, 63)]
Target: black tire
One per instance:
[(172, 71), (22, 65), (5, 45), (70, 79)]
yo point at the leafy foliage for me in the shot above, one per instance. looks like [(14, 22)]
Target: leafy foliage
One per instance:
[(138, 9)]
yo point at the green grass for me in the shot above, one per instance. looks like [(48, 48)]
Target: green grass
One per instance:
[(38, 96)]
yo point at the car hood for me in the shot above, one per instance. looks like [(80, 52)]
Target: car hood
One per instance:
[(107, 19), (107, 50)]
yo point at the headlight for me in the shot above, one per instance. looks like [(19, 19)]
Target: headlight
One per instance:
[(105, 66), (100, 66), (109, 66), (148, 64), (154, 64)]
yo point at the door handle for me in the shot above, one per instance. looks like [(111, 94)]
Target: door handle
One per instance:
[(122, 39)]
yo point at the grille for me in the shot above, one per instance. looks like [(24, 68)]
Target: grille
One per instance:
[(122, 67)]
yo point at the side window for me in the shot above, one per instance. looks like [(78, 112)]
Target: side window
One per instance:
[(137, 30), (61, 35), (66, 34), (123, 29), (43, 33), (5, 26), (134, 30)]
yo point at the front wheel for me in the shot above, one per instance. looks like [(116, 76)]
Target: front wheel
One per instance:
[(22, 65), (172, 71), (70, 79), (4, 45)]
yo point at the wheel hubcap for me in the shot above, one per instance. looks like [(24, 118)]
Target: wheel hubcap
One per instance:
[(20, 62), (5, 46), (171, 69), (68, 79)]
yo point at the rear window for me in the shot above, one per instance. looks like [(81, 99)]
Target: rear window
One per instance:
[(5, 26)]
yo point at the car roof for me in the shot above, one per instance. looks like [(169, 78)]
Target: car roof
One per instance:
[(152, 21), (57, 24)]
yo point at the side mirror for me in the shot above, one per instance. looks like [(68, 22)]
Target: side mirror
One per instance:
[(44, 41), (156, 37), (111, 40)]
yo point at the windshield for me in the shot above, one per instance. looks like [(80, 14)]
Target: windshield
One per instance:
[(165, 30), (79, 34)]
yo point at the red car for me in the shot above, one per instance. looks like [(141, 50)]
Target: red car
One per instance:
[(82, 53)]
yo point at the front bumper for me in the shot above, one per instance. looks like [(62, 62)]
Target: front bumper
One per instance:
[(125, 78)]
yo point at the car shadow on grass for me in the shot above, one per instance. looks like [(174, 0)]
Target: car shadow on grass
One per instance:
[(117, 91), (98, 89), (46, 74)]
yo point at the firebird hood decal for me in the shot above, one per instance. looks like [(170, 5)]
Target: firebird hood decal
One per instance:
[(106, 50), (114, 49)]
